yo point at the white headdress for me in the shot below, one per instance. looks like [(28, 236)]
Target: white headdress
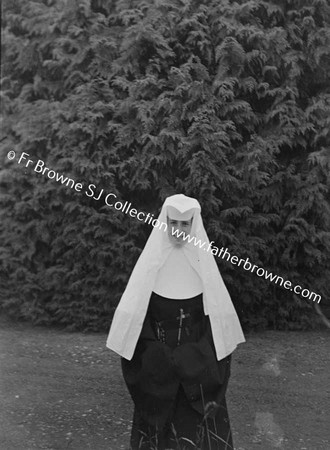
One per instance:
[(130, 313)]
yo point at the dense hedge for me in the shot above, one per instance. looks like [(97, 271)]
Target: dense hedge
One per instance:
[(225, 101)]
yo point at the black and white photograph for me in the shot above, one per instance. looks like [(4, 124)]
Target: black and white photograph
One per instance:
[(165, 225)]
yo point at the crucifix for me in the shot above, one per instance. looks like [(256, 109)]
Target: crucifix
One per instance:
[(180, 318)]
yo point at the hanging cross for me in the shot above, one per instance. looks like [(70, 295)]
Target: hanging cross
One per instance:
[(181, 317)]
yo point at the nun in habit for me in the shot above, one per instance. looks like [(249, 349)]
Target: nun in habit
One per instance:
[(175, 328)]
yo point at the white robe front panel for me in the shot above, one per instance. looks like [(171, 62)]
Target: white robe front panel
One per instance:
[(177, 279)]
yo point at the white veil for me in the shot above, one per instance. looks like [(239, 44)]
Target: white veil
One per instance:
[(130, 313)]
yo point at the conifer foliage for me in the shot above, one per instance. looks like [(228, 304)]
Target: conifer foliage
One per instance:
[(225, 101)]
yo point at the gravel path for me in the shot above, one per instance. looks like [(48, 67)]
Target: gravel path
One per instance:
[(61, 390)]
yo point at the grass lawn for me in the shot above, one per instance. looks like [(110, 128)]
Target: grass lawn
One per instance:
[(61, 390)]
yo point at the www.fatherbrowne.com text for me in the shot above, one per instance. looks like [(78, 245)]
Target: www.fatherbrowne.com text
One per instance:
[(247, 265), (92, 192)]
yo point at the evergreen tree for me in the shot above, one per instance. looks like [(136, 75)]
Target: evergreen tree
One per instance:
[(224, 101)]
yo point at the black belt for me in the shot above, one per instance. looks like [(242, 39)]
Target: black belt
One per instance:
[(171, 324), (162, 326)]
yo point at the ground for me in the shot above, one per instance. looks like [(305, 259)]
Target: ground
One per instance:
[(61, 390)]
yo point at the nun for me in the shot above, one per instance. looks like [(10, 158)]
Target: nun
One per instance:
[(175, 329)]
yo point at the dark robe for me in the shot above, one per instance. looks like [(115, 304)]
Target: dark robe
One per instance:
[(173, 374)]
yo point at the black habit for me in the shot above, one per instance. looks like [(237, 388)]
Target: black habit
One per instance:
[(173, 374)]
